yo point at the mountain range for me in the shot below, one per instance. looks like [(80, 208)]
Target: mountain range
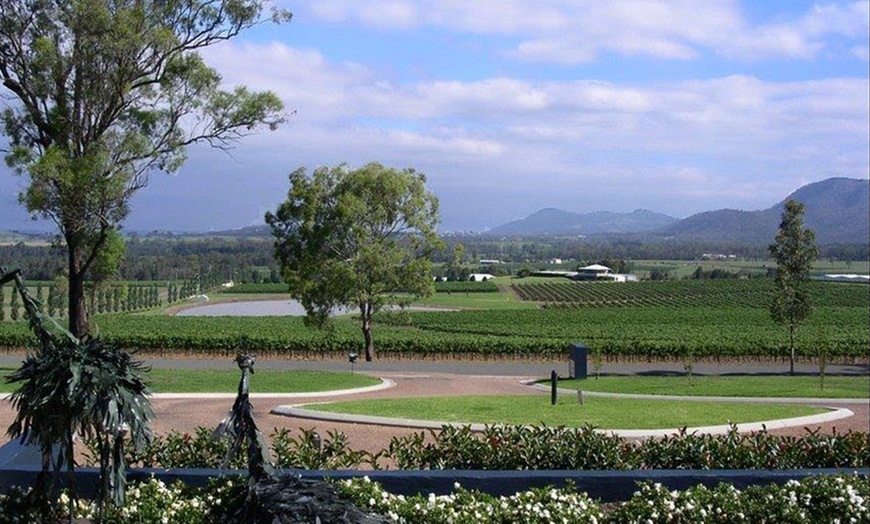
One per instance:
[(837, 210), (551, 221)]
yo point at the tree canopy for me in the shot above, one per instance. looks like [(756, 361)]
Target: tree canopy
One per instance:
[(356, 238), (794, 252), (102, 93)]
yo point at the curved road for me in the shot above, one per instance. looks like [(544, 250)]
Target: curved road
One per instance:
[(423, 378)]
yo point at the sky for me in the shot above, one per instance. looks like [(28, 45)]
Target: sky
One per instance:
[(511, 106)]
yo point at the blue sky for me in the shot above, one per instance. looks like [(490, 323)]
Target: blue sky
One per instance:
[(510, 106)]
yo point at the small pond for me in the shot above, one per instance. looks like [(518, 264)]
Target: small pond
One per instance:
[(259, 308), (268, 308)]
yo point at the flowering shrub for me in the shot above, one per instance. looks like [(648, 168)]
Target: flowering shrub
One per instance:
[(816, 499), (147, 502), (464, 506), (830, 499)]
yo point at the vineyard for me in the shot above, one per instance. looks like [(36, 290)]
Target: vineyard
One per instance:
[(661, 332), (725, 319), (755, 293)]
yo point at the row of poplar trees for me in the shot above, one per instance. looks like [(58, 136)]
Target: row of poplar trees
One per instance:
[(52, 299)]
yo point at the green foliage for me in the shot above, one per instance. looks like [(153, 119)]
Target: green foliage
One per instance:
[(109, 258), (14, 307), (203, 450), (815, 499), (538, 505), (265, 287), (544, 447), (175, 450), (466, 287), (101, 94), (312, 451), (90, 388), (646, 332), (521, 447), (794, 253), (821, 498), (355, 238), (751, 293), (72, 386)]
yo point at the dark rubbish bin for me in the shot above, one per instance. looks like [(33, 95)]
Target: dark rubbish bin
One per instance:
[(579, 356)]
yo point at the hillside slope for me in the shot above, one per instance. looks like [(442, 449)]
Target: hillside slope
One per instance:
[(837, 209), (552, 221)]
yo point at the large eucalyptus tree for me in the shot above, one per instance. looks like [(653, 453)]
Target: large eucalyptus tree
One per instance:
[(102, 93), (356, 238)]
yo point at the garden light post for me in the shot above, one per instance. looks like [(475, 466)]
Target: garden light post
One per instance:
[(554, 379)]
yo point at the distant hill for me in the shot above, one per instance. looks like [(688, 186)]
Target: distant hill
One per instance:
[(837, 209), (25, 237), (553, 221)]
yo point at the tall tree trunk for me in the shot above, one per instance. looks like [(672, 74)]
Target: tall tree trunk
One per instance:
[(78, 314), (366, 314)]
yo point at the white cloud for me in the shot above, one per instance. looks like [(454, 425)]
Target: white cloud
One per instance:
[(843, 19), (577, 31), (861, 52), (704, 136), (389, 13)]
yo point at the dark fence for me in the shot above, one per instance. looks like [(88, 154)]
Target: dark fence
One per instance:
[(18, 468)]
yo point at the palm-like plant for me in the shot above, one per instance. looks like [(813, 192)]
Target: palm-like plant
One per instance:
[(71, 386)]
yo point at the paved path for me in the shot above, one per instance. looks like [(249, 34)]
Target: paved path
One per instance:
[(416, 378)]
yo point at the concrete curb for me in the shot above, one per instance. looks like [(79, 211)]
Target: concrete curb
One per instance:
[(385, 384), (301, 412), (758, 400)]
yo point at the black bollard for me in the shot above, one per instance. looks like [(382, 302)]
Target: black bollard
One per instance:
[(554, 378)]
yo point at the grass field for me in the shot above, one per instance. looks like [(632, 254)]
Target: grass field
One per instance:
[(475, 301), (727, 386), (536, 409), (264, 381)]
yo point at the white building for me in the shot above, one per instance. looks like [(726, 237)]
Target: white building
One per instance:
[(599, 272)]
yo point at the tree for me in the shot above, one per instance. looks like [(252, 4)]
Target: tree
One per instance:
[(794, 252), (356, 238), (106, 264), (103, 93)]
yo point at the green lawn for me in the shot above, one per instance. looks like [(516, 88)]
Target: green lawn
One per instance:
[(263, 381), (727, 386), (600, 412)]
